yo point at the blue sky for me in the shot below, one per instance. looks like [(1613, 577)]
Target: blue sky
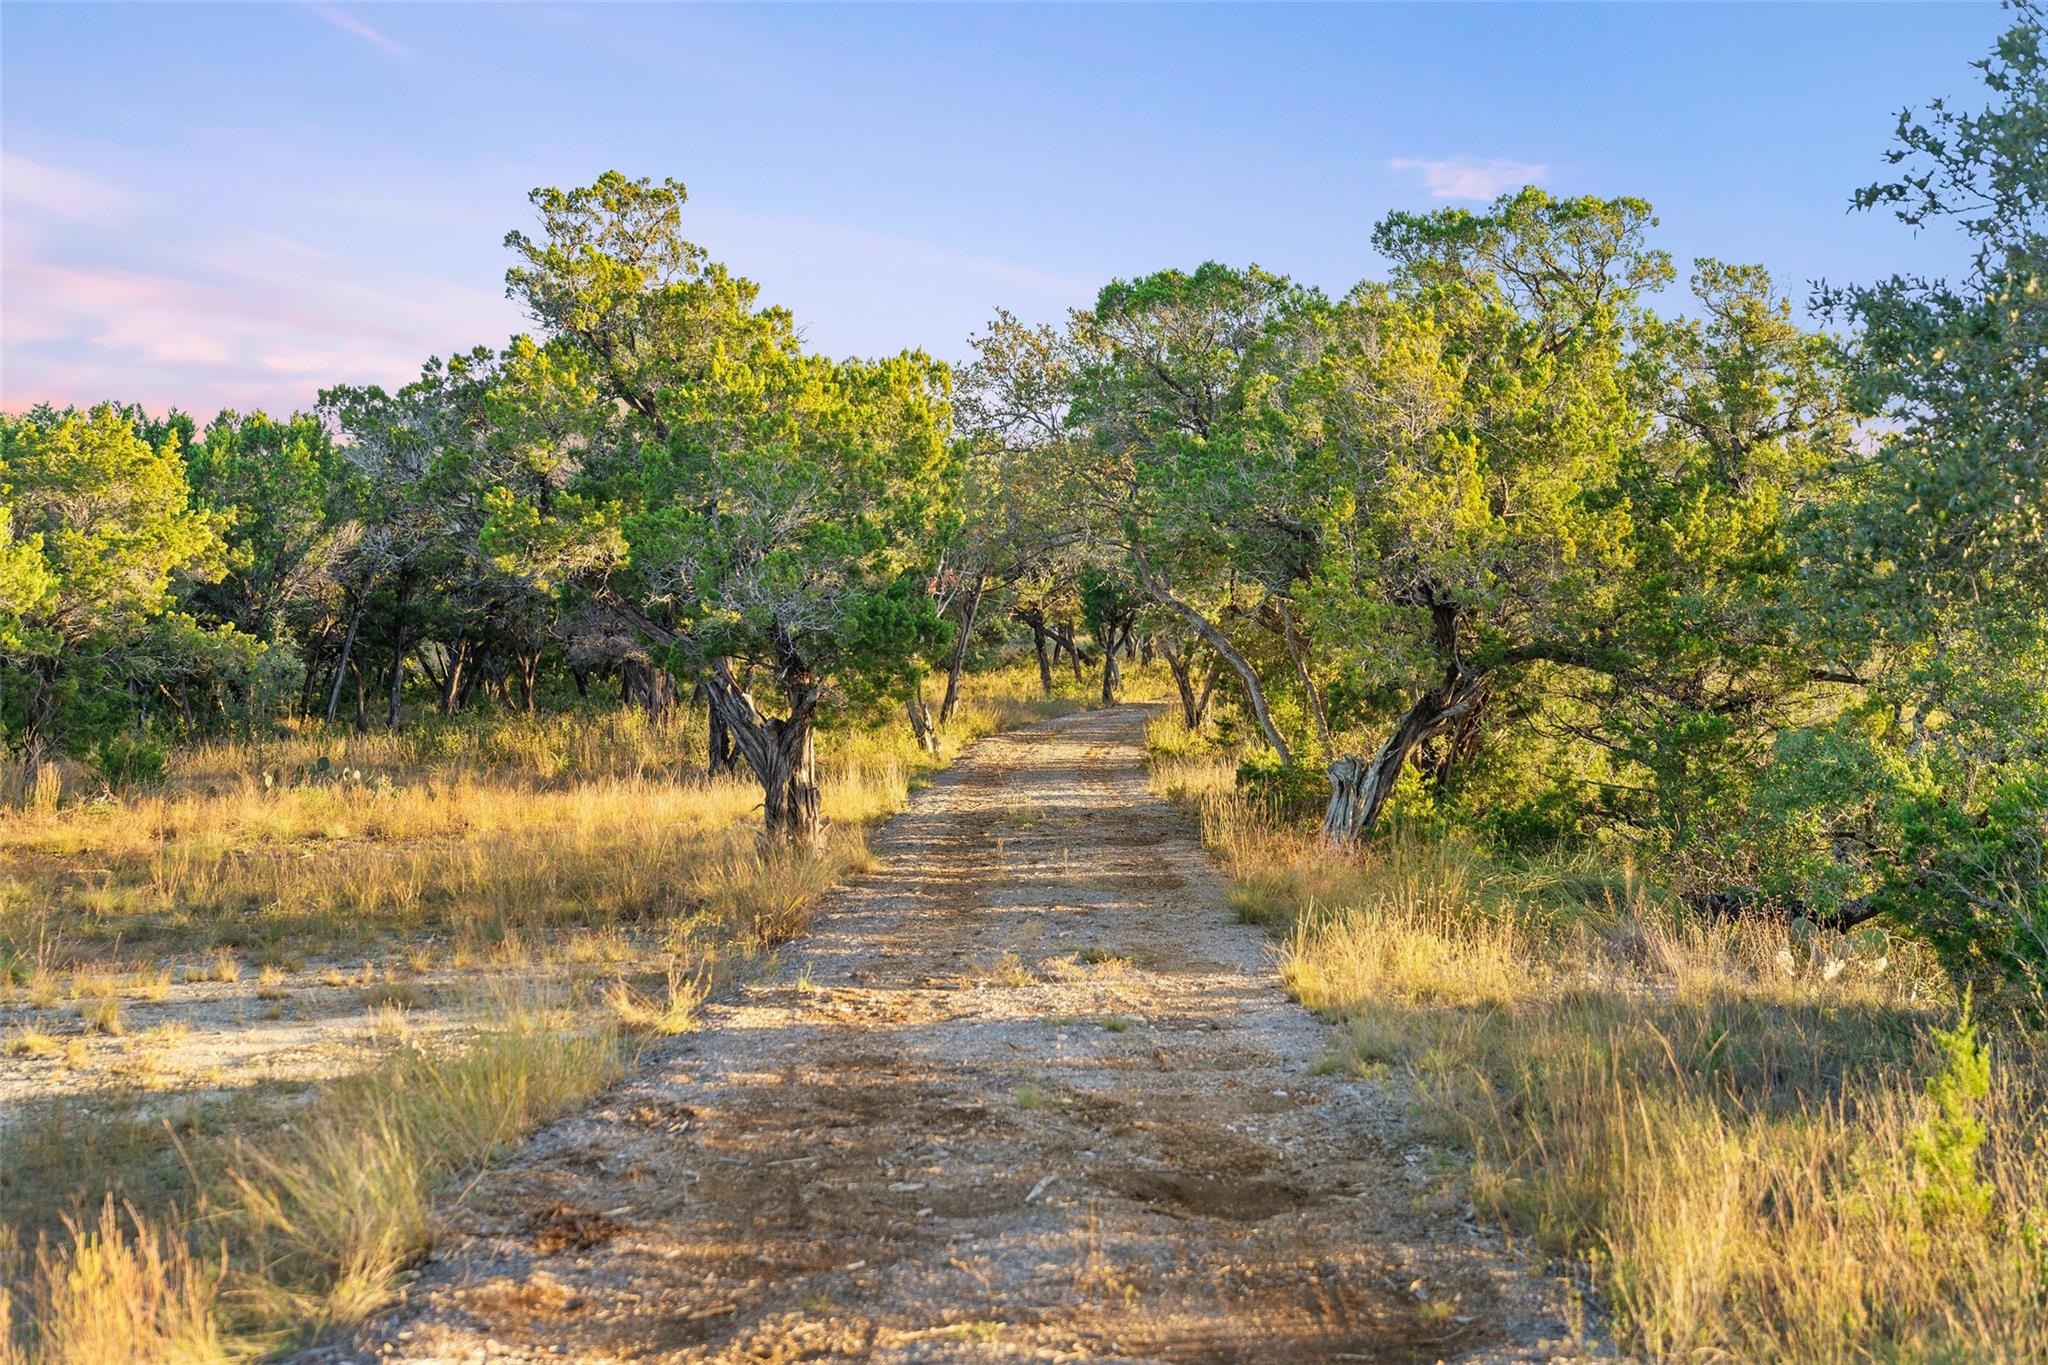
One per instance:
[(224, 205)]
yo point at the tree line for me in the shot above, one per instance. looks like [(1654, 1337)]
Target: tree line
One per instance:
[(1523, 536)]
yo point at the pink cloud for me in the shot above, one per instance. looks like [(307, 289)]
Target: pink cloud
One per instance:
[(33, 187), (227, 327)]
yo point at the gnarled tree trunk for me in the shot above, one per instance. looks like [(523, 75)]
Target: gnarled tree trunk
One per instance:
[(1034, 620), (1359, 788), (720, 755), (1194, 702), (644, 684), (780, 752), (921, 720), (719, 745)]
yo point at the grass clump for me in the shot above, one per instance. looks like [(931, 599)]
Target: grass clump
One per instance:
[(30, 1041), (116, 1289), (102, 1014), (255, 1235), (671, 1009), (325, 1216)]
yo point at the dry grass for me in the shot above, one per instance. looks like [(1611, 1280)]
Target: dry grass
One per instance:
[(102, 1014), (670, 1009), (541, 827), (30, 1041), (1756, 1158), (119, 1290), (324, 1216), (280, 1228)]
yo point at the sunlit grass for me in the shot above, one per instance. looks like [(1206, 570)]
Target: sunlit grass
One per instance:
[(1735, 1145), (288, 1227)]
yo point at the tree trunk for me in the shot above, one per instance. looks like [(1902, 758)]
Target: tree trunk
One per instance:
[(312, 667), (719, 750), (648, 686), (430, 656), (1359, 789), (348, 645), (1459, 743), (921, 721), (780, 752), (458, 659), (1063, 637), (397, 676), (1034, 620), (970, 609), (1255, 694), (529, 679), (790, 807), (1194, 709), (1112, 674), (469, 683), (722, 751), (1297, 650), (1207, 696)]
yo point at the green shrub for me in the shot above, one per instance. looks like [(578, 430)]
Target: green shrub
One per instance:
[(1284, 791), (124, 760)]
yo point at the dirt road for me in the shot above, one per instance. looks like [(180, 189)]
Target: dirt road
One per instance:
[(1027, 1092)]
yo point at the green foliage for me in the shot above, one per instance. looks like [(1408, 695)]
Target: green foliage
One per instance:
[(98, 534), (1287, 792), (774, 505), (124, 760), (1926, 571), (1974, 883), (275, 484)]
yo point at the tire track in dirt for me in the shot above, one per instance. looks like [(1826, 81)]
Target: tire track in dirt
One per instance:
[(1025, 1092)]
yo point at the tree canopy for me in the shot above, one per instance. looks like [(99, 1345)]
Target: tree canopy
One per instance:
[(1519, 536)]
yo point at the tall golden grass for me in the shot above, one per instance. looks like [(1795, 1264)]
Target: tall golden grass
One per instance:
[(462, 832), (305, 1224), (1755, 1154)]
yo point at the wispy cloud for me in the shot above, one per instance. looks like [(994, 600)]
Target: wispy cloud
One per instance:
[(348, 23), (1464, 177), (53, 192), (238, 323)]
